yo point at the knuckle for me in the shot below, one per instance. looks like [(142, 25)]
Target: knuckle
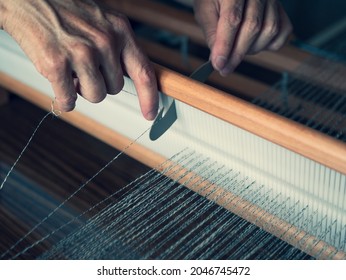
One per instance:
[(146, 74), (272, 29), (66, 103), (82, 51), (103, 40), (254, 24), (234, 17), (121, 22), (210, 36), (115, 88), (54, 66), (276, 46)]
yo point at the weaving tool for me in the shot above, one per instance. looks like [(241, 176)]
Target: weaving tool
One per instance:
[(323, 190), (167, 116)]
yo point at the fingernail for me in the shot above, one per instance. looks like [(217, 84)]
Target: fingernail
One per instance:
[(220, 62), (226, 71), (151, 115)]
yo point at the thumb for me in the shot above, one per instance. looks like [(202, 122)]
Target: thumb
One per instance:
[(207, 16)]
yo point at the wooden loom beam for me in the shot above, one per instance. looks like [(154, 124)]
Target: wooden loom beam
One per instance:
[(183, 23), (258, 216), (276, 129), (246, 87), (287, 59), (159, 15), (279, 130)]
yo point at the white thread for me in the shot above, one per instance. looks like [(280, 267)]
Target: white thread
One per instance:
[(25, 147)]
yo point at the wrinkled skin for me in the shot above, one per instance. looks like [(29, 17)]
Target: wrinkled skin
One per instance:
[(235, 28), (83, 49)]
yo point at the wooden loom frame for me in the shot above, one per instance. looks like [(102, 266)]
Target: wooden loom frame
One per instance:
[(279, 130), (266, 221)]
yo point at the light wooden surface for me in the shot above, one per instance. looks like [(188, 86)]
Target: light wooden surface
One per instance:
[(276, 129), (293, 136), (84, 123), (279, 130), (244, 86), (159, 15), (230, 109), (247, 87), (183, 23), (287, 59)]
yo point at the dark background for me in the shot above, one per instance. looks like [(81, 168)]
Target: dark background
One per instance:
[(309, 17)]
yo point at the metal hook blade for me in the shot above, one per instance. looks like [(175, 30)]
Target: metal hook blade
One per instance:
[(164, 121)]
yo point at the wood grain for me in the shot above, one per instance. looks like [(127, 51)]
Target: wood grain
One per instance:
[(279, 130)]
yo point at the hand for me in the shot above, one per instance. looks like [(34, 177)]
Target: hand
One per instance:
[(235, 28), (80, 49)]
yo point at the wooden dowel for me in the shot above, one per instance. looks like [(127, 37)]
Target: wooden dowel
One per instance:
[(82, 122), (159, 15), (183, 23), (244, 86), (279, 130), (247, 87)]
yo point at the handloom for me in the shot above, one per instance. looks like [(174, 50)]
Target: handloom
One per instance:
[(227, 175)]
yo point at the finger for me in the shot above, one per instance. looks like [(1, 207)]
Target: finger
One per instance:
[(247, 34), (112, 73), (137, 65), (284, 32), (207, 17), (142, 73), (110, 67), (91, 82), (231, 16), (64, 90), (270, 28)]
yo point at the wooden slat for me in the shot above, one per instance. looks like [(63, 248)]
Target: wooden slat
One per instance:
[(247, 87), (150, 12), (183, 23), (244, 86), (159, 15), (280, 228), (84, 123), (55, 183), (293, 136), (279, 130)]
